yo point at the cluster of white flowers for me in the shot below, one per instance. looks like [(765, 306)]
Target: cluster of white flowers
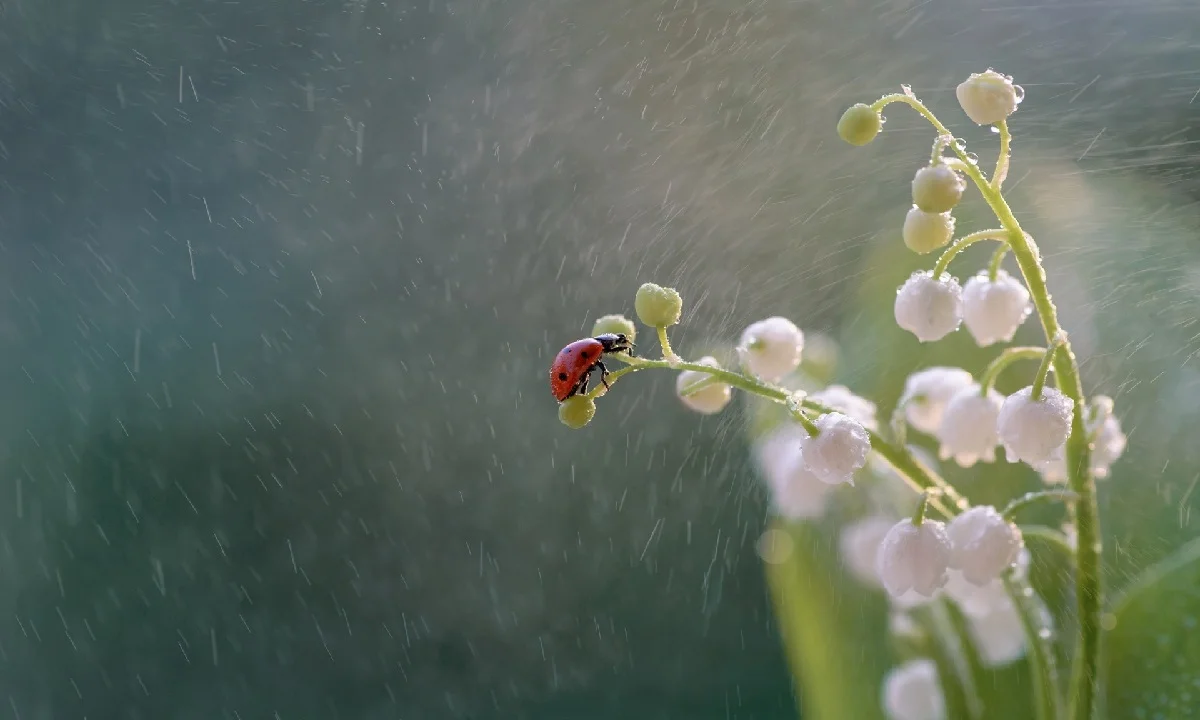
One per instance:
[(967, 559)]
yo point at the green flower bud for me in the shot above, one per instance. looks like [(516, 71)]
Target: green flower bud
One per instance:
[(859, 124), (657, 306), (618, 324), (577, 411), (937, 188), (925, 232)]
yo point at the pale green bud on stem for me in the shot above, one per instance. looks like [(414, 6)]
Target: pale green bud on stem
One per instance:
[(859, 124), (618, 324), (577, 411), (658, 306)]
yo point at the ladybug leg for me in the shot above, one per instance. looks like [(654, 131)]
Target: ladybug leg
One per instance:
[(582, 387), (603, 373)]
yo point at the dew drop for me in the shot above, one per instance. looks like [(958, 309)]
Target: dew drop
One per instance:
[(1019, 92), (973, 158)]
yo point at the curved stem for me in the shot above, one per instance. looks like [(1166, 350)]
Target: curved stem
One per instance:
[(1036, 498), (1088, 589), (912, 470), (997, 260), (1003, 360), (939, 146), (918, 518), (668, 353), (1039, 380), (962, 244), (1001, 171)]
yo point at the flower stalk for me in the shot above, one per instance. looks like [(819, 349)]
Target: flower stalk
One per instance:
[(1088, 588)]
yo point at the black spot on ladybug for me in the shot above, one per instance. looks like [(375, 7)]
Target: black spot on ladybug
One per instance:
[(584, 355), (562, 376)]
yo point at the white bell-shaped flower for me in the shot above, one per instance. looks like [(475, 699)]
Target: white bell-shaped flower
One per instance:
[(839, 450), (982, 544), (771, 348), (926, 393), (924, 232), (913, 691), (992, 311), (711, 398), (927, 307), (989, 97), (842, 399), (969, 431), (999, 635), (1108, 443), (795, 492), (914, 558), (859, 544), (1032, 430)]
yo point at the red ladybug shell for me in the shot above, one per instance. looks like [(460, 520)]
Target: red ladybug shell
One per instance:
[(571, 364)]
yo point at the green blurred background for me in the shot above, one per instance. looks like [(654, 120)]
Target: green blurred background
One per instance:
[(283, 278)]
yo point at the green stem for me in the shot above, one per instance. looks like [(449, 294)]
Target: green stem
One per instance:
[(1042, 664), (1088, 588), (1036, 498), (806, 423), (1003, 360), (1001, 171), (918, 518), (997, 260), (1039, 380), (915, 473), (939, 146), (975, 676), (665, 342), (962, 244), (959, 690)]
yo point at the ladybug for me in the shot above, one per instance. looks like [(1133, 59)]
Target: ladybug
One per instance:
[(573, 366)]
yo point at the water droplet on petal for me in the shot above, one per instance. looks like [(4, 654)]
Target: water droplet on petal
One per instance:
[(1020, 93)]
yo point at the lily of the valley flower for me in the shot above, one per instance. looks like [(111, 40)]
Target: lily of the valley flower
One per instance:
[(771, 348), (796, 494), (993, 310), (859, 544), (1033, 430), (839, 450), (968, 432), (914, 557), (926, 393), (709, 399), (983, 544), (989, 97), (913, 691), (1108, 443), (930, 308)]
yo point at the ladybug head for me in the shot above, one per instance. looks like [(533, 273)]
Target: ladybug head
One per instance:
[(614, 342)]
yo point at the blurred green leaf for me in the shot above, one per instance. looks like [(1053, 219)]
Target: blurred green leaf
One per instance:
[(819, 635), (1152, 654)]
